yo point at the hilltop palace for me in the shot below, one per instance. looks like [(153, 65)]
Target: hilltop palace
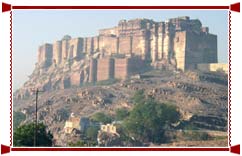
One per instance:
[(124, 50)]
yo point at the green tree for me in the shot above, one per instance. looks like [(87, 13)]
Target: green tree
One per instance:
[(121, 114), (139, 97), (101, 117), (148, 120), (18, 117), (24, 135), (92, 132)]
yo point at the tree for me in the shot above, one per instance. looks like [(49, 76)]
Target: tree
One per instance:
[(92, 132), (148, 120), (18, 117), (101, 117), (121, 114), (24, 135), (138, 97)]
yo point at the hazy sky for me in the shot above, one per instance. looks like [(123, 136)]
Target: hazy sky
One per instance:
[(34, 27)]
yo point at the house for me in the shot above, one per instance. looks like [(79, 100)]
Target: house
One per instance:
[(108, 128), (78, 123)]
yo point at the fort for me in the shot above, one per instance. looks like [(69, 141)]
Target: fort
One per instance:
[(181, 42), (124, 50)]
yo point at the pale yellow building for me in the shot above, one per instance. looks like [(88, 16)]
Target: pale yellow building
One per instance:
[(109, 128), (213, 67), (73, 122)]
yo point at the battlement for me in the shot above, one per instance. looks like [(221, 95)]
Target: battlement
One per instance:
[(181, 42)]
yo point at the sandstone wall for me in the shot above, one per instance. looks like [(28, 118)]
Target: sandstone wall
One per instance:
[(93, 70), (213, 67), (75, 48), (179, 49), (154, 43), (57, 52), (169, 33), (108, 44), (121, 68), (180, 42), (96, 43), (65, 47), (200, 48), (88, 45), (140, 45), (70, 48), (105, 69), (125, 45), (125, 67), (45, 54), (78, 78), (109, 31), (160, 41)]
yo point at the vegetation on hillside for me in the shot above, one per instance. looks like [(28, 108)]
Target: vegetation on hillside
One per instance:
[(101, 117), (24, 135), (18, 117), (149, 119)]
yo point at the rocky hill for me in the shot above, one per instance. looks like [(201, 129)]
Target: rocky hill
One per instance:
[(173, 61), (201, 98)]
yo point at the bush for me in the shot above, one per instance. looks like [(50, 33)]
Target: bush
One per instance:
[(138, 97), (101, 117), (24, 135), (121, 114)]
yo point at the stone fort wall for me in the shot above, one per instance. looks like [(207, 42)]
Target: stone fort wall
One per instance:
[(180, 41), (119, 52)]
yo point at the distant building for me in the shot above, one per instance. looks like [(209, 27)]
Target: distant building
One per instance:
[(223, 67), (108, 128), (79, 123), (107, 132)]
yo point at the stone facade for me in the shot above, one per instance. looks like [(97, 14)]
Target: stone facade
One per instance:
[(121, 51), (213, 67), (105, 69), (179, 42), (124, 67), (45, 54), (93, 70)]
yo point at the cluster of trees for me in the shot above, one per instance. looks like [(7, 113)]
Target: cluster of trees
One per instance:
[(101, 117), (24, 135), (149, 119), (146, 122)]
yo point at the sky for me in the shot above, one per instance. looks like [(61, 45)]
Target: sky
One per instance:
[(32, 28)]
